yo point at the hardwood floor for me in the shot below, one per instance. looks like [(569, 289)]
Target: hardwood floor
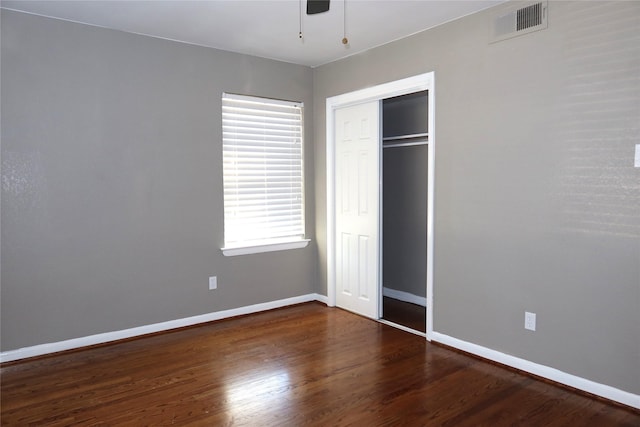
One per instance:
[(301, 365), (404, 313)]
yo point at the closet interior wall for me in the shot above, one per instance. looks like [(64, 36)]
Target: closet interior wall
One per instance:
[(404, 194)]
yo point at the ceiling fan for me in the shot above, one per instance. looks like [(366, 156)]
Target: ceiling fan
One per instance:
[(320, 6), (317, 6)]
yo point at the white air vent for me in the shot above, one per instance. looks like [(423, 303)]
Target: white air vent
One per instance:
[(524, 19)]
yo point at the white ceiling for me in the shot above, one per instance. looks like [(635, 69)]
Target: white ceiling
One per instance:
[(265, 28)]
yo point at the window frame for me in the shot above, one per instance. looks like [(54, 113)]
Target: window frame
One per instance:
[(244, 247)]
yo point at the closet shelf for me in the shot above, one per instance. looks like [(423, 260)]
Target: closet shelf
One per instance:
[(403, 137)]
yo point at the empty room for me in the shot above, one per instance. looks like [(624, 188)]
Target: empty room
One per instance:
[(331, 212)]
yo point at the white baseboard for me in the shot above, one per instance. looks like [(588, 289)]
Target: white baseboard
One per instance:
[(543, 371), (321, 298), (42, 349), (404, 296)]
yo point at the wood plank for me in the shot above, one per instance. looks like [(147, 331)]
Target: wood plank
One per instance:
[(300, 365)]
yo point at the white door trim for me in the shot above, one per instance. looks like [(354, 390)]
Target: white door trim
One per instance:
[(387, 90)]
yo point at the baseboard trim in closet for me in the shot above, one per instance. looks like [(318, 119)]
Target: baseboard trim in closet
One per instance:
[(404, 296)]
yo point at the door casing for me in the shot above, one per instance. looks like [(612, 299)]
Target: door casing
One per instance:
[(377, 93)]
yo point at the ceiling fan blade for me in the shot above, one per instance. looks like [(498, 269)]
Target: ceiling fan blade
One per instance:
[(317, 6)]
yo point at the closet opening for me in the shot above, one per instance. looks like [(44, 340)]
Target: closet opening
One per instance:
[(380, 202), (404, 210)]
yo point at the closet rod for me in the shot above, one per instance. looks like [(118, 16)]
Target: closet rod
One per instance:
[(405, 144), (401, 137)]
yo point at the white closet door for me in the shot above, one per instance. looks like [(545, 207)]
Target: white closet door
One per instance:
[(357, 132)]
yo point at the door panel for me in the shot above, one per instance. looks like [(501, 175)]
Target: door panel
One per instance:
[(357, 211)]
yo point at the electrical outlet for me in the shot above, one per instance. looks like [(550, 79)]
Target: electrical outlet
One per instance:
[(530, 321), (213, 282)]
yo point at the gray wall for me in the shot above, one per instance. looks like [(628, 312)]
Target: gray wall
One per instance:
[(404, 219), (112, 213), (537, 203)]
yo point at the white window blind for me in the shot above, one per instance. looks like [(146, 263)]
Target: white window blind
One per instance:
[(262, 167)]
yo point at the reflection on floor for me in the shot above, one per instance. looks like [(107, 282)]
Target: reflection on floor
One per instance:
[(404, 313)]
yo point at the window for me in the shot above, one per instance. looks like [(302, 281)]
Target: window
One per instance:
[(262, 170)]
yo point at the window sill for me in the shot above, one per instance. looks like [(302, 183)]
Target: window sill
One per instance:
[(269, 247)]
